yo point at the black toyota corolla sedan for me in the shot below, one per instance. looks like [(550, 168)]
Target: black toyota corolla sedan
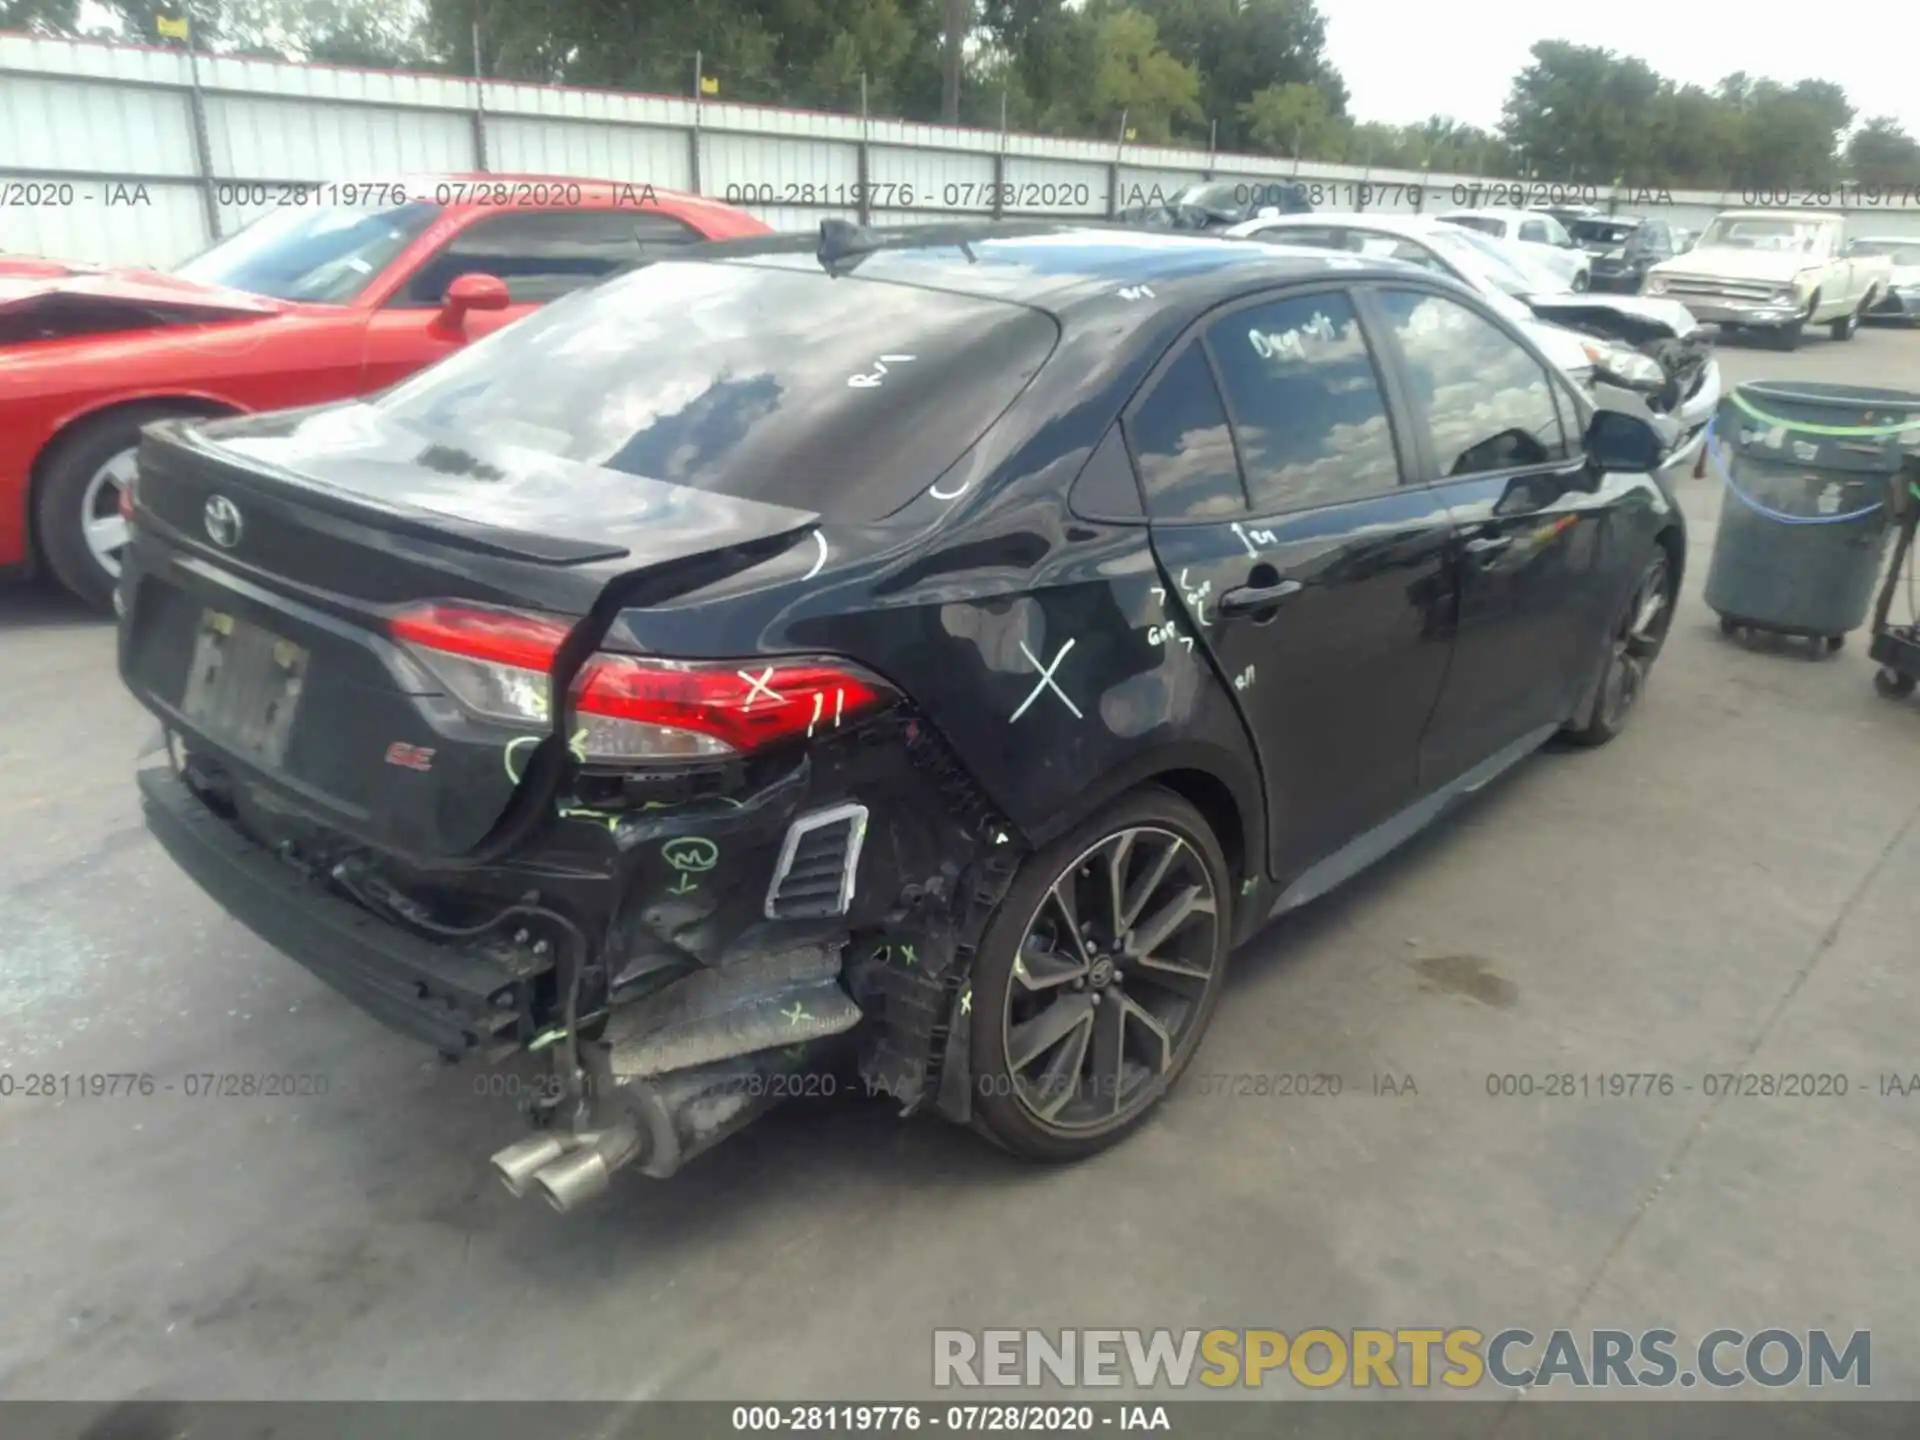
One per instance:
[(925, 653)]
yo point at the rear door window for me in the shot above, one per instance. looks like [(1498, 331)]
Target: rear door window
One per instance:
[(1182, 447), (1305, 402), (845, 396), (544, 254)]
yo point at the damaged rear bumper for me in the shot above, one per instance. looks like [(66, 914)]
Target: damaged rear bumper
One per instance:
[(459, 1000), (677, 1013)]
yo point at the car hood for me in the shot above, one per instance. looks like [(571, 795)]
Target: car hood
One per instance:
[(1634, 319), (1731, 262), (1562, 346), (49, 300)]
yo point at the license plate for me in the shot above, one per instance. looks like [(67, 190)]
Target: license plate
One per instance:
[(244, 685)]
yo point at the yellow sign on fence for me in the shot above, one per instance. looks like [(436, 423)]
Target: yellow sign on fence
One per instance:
[(170, 26), (709, 84)]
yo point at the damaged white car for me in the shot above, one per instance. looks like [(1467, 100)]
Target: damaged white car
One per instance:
[(1652, 347)]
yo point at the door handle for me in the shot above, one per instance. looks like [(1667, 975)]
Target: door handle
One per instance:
[(1489, 545), (1250, 598)]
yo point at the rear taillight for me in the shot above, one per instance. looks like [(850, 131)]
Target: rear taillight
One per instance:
[(632, 707)]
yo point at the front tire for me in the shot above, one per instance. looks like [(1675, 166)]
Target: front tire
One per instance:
[(1637, 639), (1097, 978), (77, 513)]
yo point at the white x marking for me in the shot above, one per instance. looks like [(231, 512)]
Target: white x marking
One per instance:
[(760, 687), (1047, 682)]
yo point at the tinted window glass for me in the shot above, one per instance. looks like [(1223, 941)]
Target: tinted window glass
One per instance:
[(1181, 443), (1485, 224), (544, 254), (1534, 230), (1306, 404), (1318, 237), (752, 381), (1604, 232), (1487, 401), (327, 255)]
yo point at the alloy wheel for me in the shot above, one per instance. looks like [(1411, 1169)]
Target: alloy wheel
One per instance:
[(1113, 967), (101, 524), (1643, 628)]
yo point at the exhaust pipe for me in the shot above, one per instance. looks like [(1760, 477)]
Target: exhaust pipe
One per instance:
[(518, 1163), (657, 1124), (583, 1175)]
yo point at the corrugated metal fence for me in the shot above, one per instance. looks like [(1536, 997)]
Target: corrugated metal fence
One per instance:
[(130, 155)]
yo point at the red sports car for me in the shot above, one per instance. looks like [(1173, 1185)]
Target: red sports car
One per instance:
[(313, 303)]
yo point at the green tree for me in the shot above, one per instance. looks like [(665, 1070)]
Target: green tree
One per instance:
[(365, 33), (41, 17), (1241, 47), (1582, 113), (1137, 77), (1880, 152), (1292, 120)]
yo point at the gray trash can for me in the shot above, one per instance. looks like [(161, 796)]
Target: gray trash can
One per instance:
[(1803, 526)]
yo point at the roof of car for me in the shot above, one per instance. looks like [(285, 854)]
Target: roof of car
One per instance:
[(1777, 215), (1064, 268), (1343, 220), (472, 190)]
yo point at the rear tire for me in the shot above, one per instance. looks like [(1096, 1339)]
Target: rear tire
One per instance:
[(76, 514), (1129, 1008), (1847, 325)]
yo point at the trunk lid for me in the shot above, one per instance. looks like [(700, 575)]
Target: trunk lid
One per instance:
[(271, 554)]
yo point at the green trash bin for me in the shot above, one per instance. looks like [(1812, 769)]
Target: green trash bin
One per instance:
[(1803, 527)]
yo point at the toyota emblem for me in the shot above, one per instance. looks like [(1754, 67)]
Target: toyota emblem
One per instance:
[(223, 522)]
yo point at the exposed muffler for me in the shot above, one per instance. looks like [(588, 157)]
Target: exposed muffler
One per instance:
[(680, 1071), (656, 1124)]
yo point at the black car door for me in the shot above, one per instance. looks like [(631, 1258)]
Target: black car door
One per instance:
[(1496, 441), (1294, 552)]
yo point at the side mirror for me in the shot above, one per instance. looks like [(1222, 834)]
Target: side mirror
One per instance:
[(473, 292), (1619, 441)]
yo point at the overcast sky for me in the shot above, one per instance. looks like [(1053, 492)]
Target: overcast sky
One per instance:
[(1404, 60)]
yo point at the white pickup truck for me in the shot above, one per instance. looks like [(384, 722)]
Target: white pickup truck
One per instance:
[(1774, 270)]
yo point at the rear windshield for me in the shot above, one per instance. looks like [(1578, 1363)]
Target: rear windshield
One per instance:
[(1604, 232), (844, 396), (1485, 224), (1901, 252)]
